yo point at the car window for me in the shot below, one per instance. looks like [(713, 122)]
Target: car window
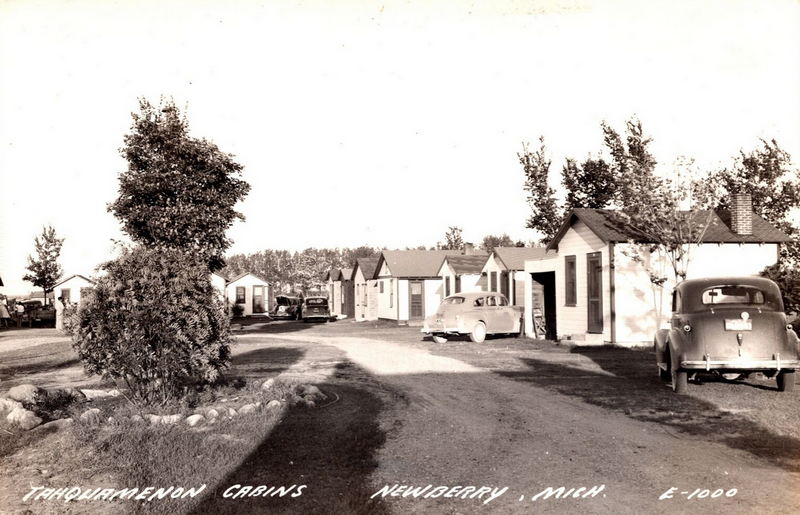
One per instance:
[(453, 300), (490, 301), (316, 302), (502, 301), (479, 302), (748, 295)]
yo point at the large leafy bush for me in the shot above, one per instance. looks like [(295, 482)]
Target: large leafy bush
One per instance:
[(154, 322)]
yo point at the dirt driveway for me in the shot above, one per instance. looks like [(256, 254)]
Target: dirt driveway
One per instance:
[(520, 421)]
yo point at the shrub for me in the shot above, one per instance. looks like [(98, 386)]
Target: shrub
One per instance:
[(788, 280), (154, 322), (237, 310), (69, 317)]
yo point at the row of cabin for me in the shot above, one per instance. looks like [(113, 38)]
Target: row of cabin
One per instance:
[(408, 285), (249, 291), (591, 284)]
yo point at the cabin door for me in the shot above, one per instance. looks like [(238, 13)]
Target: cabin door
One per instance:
[(416, 302), (258, 299), (594, 292)]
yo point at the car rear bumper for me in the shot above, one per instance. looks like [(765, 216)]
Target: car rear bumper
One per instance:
[(320, 316), (741, 364)]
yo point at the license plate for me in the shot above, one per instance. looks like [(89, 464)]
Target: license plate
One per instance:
[(737, 324)]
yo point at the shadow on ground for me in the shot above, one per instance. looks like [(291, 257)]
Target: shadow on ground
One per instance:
[(14, 365), (635, 391), (268, 326), (331, 449), (268, 360)]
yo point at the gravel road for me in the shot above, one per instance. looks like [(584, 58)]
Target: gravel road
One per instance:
[(459, 425)]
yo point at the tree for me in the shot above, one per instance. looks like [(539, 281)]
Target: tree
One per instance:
[(491, 241), (44, 268), (155, 323), (546, 216), (590, 184), (452, 239), (178, 191), (632, 164), (767, 174)]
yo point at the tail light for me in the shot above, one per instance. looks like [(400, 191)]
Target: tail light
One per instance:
[(687, 328)]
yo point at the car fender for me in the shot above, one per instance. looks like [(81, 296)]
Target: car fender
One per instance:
[(794, 341), (468, 321)]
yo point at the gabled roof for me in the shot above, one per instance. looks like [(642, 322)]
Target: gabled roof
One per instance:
[(606, 225), (367, 266), (333, 274), (59, 283), (513, 258), (465, 264), (345, 274), (413, 263), (246, 274)]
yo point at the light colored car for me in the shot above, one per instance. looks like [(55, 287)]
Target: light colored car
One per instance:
[(475, 314), (731, 326)]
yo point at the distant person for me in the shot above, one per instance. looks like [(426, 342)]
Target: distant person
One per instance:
[(5, 316)]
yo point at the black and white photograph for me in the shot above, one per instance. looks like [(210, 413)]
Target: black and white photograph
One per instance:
[(399, 257)]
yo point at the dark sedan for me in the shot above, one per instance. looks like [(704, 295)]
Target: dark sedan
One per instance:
[(731, 326), (315, 308)]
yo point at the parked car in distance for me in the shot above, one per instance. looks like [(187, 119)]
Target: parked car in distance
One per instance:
[(315, 308), (475, 314), (731, 326), (287, 306)]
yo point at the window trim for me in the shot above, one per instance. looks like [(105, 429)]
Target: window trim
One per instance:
[(570, 281)]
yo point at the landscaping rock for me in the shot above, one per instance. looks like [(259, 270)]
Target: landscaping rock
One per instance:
[(171, 419), (57, 424), (309, 403), (310, 389), (100, 394), (154, 419), (247, 408), (137, 418), (23, 418), (274, 404), (9, 405), (269, 383), (195, 419), (231, 412), (212, 413), (26, 393), (91, 417)]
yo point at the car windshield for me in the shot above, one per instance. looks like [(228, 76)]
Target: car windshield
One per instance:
[(286, 301), (733, 294), (316, 302), (453, 300)]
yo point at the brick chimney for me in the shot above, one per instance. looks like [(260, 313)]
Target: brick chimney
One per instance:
[(469, 249), (742, 214)]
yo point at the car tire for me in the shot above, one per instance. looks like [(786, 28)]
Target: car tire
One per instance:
[(680, 381), (786, 381), (439, 338), (478, 334)]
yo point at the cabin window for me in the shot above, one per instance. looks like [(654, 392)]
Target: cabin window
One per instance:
[(65, 295), (381, 286), (391, 294), (240, 294), (447, 286), (570, 285)]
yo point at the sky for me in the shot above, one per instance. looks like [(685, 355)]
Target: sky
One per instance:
[(368, 122)]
